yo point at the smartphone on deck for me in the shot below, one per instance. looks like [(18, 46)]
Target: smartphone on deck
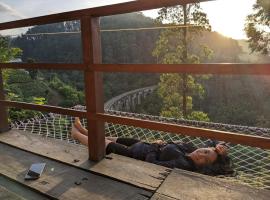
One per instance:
[(35, 171)]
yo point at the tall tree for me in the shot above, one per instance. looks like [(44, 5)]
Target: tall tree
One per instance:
[(176, 46), (257, 27)]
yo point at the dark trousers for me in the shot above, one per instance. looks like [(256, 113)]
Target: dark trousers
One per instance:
[(123, 146)]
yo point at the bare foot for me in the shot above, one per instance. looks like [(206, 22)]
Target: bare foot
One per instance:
[(78, 125)]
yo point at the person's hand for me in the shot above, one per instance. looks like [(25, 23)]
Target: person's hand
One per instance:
[(221, 149), (160, 142)]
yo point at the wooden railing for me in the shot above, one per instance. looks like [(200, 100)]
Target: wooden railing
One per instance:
[(93, 70)]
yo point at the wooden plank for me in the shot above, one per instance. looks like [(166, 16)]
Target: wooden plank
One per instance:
[(235, 138), (186, 185), (48, 147), (132, 6), (7, 195), (52, 66), (44, 108), (64, 182), (215, 68), (3, 110), (20, 190), (139, 173), (93, 86)]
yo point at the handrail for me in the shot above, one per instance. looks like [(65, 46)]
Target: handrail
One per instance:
[(207, 68), (54, 66), (121, 8), (235, 138), (44, 108)]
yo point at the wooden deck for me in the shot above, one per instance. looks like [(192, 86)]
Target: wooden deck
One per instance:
[(70, 175)]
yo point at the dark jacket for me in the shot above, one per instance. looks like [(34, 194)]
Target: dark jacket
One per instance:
[(172, 155)]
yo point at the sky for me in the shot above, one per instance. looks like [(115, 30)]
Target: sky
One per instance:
[(226, 16)]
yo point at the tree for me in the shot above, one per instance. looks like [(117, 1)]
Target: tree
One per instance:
[(7, 54), (176, 46), (32, 72), (257, 27)]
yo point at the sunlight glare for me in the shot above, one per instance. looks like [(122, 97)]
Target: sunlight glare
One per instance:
[(228, 16)]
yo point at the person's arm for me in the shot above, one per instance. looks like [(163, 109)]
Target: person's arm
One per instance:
[(152, 158), (220, 147), (180, 162)]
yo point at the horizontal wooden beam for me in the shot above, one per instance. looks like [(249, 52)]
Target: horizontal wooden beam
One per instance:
[(139, 5), (44, 108), (50, 66), (235, 138), (223, 68), (218, 68), (132, 6)]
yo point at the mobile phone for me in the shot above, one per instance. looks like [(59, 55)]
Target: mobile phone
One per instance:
[(35, 171)]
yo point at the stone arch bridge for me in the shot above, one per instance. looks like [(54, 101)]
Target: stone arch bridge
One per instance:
[(128, 101)]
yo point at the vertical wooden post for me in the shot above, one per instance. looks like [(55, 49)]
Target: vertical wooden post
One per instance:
[(3, 111), (91, 42)]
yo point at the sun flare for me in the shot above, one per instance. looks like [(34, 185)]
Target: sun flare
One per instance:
[(228, 16)]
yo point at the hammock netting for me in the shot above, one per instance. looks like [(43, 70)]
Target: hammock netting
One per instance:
[(252, 165)]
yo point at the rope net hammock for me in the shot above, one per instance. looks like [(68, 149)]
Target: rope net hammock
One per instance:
[(252, 165)]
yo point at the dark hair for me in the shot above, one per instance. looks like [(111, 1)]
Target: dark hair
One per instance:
[(221, 166)]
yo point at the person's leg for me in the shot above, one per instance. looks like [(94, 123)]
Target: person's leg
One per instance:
[(127, 141), (119, 149), (83, 139), (77, 135), (113, 139), (78, 125)]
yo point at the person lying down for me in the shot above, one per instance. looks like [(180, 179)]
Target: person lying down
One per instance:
[(211, 160)]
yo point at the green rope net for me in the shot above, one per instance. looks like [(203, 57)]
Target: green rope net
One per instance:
[(252, 165)]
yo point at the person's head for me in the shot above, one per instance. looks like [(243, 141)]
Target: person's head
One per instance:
[(208, 161), (203, 156)]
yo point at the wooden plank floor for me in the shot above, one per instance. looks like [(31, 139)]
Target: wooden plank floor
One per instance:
[(135, 172), (70, 175), (184, 185), (62, 181), (11, 187), (7, 195), (131, 171)]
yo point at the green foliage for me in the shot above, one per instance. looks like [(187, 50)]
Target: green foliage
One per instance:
[(19, 114), (39, 100), (21, 87), (71, 95), (242, 100), (150, 105), (7, 53), (117, 47), (176, 46), (199, 116), (258, 27)]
